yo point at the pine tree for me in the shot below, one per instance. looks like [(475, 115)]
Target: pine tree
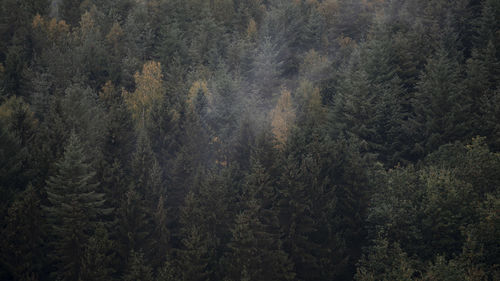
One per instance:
[(160, 235), (146, 170), (134, 225), (98, 257), (266, 69), (70, 11), (197, 242), (441, 109), (322, 202), (385, 261), (168, 272), (119, 133), (256, 250), (12, 162), (137, 268), (75, 207), (354, 105), (205, 219), (22, 251)]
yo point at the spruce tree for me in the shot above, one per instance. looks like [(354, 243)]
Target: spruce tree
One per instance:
[(137, 268), (442, 112), (22, 238), (98, 256), (197, 241), (70, 11), (256, 249), (75, 207), (134, 225)]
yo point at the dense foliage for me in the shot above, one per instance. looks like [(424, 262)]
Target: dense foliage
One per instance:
[(250, 140)]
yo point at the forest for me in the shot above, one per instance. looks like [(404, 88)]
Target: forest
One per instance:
[(242, 140)]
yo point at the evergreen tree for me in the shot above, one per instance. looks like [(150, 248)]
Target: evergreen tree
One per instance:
[(97, 259), (134, 226), (22, 246), (75, 207), (257, 253), (137, 269), (12, 162), (441, 109), (197, 242), (265, 69), (70, 11), (385, 262), (168, 272)]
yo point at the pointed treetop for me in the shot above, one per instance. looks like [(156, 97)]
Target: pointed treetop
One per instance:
[(283, 117)]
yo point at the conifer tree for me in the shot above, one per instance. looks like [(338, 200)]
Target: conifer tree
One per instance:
[(137, 268), (98, 257), (257, 252), (70, 11), (385, 261), (22, 246), (168, 272), (197, 241), (75, 207), (441, 108), (12, 159), (134, 225)]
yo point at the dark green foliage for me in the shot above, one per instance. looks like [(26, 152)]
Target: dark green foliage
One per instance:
[(22, 246), (256, 252), (70, 11), (279, 140), (441, 107), (137, 269), (385, 262), (12, 159), (133, 224), (75, 207), (97, 259), (198, 242)]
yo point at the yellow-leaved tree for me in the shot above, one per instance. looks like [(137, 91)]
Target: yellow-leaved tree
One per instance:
[(252, 30), (149, 91), (115, 35), (283, 117), (199, 98), (50, 30)]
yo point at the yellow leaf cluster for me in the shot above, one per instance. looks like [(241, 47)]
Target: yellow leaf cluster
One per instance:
[(346, 42), (53, 29), (107, 92), (87, 26), (149, 90), (283, 117), (197, 87), (115, 34), (252, 29), (315, 107)]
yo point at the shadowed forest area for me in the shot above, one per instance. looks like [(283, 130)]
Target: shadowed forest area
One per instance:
[(232, 140)]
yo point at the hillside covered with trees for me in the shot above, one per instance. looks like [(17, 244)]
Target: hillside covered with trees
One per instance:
[(190, 140)]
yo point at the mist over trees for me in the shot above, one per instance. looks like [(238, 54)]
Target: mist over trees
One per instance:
[(163, 140)]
